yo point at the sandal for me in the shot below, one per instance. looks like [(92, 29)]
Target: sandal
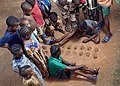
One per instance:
[(106, 39)]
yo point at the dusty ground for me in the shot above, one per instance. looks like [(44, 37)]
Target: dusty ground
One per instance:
[(101, 55)]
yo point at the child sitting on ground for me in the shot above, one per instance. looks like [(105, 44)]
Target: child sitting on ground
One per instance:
[(86, 28), (29, 77), (34, 50), (20, 60), (53, 23), (62, 69)]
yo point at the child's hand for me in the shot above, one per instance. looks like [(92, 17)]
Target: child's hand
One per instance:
[(85, 40)]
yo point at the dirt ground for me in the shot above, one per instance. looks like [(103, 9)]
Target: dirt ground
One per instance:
[(101, 55)]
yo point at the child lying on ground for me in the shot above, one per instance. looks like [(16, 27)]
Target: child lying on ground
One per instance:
[(86, 28), (62, 69), (29, 77), (20, 60), (34, 50)]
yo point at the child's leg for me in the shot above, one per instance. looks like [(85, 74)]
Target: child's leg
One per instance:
[(91, 77), (89, 71)]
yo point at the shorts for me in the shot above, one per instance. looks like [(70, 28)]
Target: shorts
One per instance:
[(62, 74), (105, 10)]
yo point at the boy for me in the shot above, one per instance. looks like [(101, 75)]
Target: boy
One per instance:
[(62, 69), (67, 13), (20, 60), (11, 35), (104, 6), (31, 7), (29, 77), (86, 28), (55, 22)]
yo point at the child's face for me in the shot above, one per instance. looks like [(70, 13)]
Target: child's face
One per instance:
[(27, 23), (27, 37), (29, 72), (28, 11), (15, 27), (19, 54), (54, 19)]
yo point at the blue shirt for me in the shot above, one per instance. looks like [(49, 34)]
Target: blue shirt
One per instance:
[(11, 38)]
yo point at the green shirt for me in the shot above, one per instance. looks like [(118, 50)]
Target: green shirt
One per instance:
[(55, 65)]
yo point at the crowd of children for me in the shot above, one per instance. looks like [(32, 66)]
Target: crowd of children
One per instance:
[(39, 22)]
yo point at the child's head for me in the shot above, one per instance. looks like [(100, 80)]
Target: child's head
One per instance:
[(62, 2), (16, 50), (82, 25), (25, 32), (53, 17), (26, 71), (26, 8), (55, 50), (32, 2), (76, 2), (12, 23), (24, 22)]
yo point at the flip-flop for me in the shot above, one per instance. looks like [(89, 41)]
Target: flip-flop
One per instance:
[(106, 39)]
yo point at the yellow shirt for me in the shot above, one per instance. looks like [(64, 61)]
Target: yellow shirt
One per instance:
[(104, 2), (33, 81)]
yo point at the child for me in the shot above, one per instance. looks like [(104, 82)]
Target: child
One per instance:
[(29, 78), (31, 7), (20, 60), (52, 24), (62, 69), (86, 28), (11, 35), (67, 13), (34, 50), (104, 6)]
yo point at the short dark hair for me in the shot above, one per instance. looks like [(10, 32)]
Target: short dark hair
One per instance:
[(22, 20), (54, 49), (81, 24), (62, 2), (11, 21), (24, 31), (15, 48), (22, 71), (31, 2), (53, 15), (25, 6)]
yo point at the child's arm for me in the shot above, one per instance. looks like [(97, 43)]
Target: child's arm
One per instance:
[(68, 63), (67, 37), (92, 37)]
